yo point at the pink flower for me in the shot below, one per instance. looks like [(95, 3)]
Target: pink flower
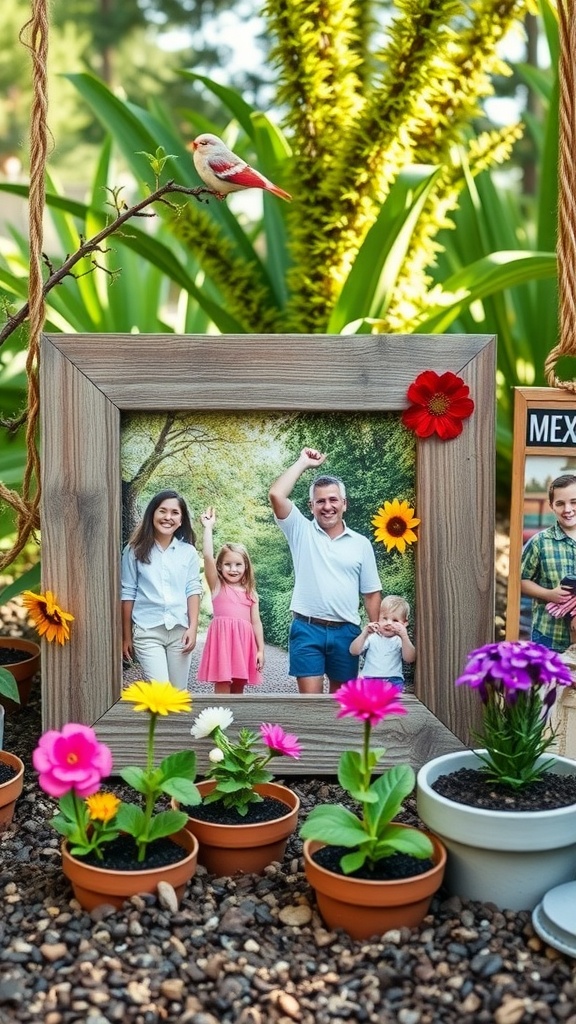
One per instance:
[(369, 700), (71, 760), (280, 742)]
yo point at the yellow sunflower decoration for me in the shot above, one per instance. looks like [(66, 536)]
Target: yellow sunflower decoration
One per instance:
[(51, 621), (394, 524)]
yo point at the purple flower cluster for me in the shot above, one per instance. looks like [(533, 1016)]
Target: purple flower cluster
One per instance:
[(512, 666)]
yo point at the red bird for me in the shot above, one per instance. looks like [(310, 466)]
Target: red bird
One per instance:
[(224, 172)]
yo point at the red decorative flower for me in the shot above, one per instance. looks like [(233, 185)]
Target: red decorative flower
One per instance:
[(439, 404)]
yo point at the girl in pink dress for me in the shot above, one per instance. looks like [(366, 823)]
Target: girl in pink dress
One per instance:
[(233, 654)]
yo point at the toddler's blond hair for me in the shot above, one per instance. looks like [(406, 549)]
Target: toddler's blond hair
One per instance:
[(395, 604)]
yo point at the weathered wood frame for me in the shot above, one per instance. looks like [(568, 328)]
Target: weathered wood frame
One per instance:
[(524, 400), (87, 381)]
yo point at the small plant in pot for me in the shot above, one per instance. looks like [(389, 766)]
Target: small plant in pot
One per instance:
[(517, 683), (507, 810), (8, 691), (245, 818), (11, 766), (112, 848), (370, 872), (20, 661)]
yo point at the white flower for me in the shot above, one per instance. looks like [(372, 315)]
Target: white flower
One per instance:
[(216, 755), (210, 719)]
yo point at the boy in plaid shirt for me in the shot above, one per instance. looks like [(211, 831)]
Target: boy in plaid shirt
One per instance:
[(547, 558)]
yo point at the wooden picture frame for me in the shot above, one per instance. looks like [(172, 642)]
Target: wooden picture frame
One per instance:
[(544, 425), (87, 381)]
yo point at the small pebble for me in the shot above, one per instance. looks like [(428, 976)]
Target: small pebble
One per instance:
[(296, 916)]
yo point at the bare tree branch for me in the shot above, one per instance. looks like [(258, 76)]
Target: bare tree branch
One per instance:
[(93, 244)]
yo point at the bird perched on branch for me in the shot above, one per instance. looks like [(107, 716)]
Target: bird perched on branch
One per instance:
[(224, 172)]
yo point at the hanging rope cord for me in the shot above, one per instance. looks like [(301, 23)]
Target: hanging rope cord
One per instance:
[(26, 505), (566, 245)]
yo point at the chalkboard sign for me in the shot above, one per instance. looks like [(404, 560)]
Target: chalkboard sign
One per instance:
[(544, 449)]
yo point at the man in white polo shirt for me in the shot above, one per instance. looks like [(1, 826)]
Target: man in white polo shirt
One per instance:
[(333, 566)]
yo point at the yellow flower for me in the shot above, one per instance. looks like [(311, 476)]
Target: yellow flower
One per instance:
[(158, 698), (50, 621), (102, 806), (394, 524)]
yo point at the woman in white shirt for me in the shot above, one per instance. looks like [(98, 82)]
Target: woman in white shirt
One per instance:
[(161, 591)]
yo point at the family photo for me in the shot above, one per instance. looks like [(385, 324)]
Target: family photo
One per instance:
[(215, 474)]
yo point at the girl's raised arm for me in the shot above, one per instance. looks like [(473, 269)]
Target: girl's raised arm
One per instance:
[(208, 520)]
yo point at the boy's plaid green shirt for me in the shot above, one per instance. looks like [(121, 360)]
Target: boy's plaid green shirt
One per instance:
[(547, 558)]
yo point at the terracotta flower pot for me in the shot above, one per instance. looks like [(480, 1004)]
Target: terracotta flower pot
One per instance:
[(228, 849), (510, 858), (95, 885), (364, 908), (10, 791), (23, 671)]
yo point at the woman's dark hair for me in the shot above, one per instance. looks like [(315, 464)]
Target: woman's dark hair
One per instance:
[(142, 537)]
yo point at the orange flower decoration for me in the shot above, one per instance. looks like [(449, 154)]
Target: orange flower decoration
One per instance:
[(50, 620), (394, 525), (439, 404), (102, 807)]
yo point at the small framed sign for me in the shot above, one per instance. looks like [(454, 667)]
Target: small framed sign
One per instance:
[(544, 450)]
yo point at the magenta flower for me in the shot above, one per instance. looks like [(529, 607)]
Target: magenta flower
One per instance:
[(369, 700), (517, 682), (511, 666), (280, 742), (72, 759)]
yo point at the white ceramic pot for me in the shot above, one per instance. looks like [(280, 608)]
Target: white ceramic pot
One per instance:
[(510, 858)]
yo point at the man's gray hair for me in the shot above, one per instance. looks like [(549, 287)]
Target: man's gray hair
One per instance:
[(326, 481)]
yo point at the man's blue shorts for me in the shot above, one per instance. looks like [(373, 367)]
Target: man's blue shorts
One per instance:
[(317, 650)]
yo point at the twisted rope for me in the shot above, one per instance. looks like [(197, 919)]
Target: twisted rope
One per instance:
[(27, 505), (566, 246)]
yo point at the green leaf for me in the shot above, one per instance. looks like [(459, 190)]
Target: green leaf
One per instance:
[(391, 788), (135, 777), (333, 825), (29, 580), (369, 286), (396, 839), (351, 777), (182, 790), (230, 98), (63, 826), (353, 861), (230, 785), (80, 849), (181, 764), (131, 819), (166, 823), (67, 805), (8, 686), (484, 277)]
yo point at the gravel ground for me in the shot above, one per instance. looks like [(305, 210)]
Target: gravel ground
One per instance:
[(250, 949)]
